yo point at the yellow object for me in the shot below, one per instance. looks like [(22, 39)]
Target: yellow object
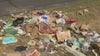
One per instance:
[(32, 42), (75, 47), (14, 54), (61, 36)]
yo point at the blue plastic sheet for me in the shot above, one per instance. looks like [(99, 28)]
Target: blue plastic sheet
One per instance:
[(9, 39)]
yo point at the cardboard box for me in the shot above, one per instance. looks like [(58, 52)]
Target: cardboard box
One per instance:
[(61, 36), (14, 54)]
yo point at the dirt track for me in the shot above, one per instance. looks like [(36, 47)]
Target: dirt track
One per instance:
[(12, 6)]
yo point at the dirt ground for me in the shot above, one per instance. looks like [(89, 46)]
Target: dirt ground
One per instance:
[(92, 18)]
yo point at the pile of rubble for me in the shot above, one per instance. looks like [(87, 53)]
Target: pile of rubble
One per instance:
[(47, 31)]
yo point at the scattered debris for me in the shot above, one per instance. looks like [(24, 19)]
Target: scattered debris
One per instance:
[(33, 53), (31, 42), (9, 39), (20, 48), (62, 35), (18, 21), (14, 54), (45, 31), (10, 31)]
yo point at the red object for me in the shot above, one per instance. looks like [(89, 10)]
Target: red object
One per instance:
[(70, 20), (46, 47), (33, 53), (44, 28)]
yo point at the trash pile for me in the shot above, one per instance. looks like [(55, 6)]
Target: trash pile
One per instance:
[(47, 32)]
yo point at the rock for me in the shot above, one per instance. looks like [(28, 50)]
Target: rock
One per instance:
[(80, 12), (86, 10)]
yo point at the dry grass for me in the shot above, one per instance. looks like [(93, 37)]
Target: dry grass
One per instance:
[(92, 17)]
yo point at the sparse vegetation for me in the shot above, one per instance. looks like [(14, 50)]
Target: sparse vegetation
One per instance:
[(92, 17)]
